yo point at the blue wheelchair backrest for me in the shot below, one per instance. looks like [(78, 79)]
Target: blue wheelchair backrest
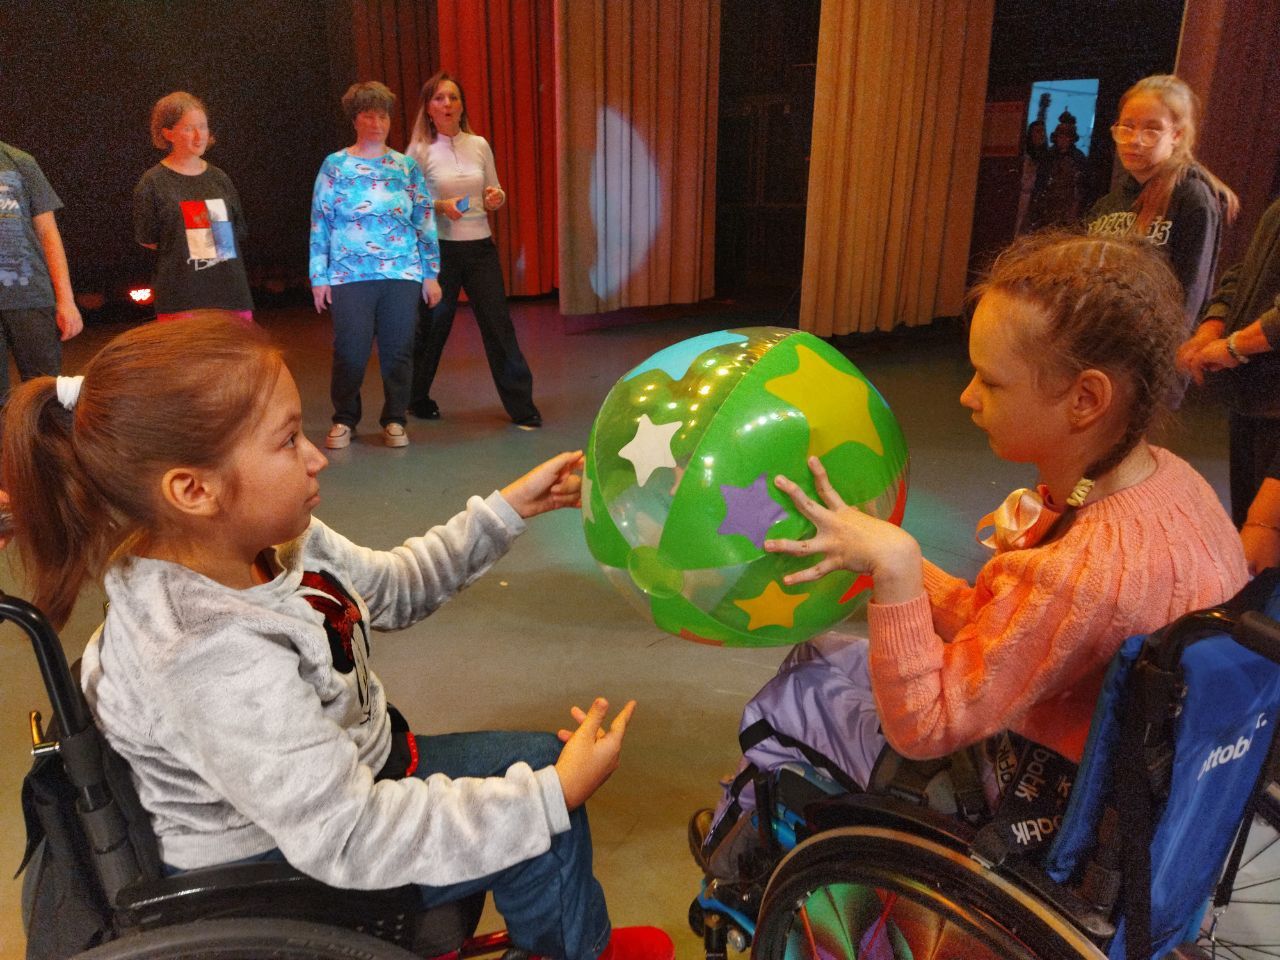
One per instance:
[(1218, 709)]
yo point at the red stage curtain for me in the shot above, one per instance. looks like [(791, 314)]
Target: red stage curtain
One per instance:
[(394, 41), (1227, 55), (503, 54)]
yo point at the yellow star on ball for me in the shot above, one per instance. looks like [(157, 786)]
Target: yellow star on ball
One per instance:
[(835, 404), (772, 608)]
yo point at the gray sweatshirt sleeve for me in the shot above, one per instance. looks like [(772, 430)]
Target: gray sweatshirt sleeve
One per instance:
[(405, 584), (243, 720)]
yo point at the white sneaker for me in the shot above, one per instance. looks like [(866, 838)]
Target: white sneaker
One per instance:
[(393, 435), (339, 437)]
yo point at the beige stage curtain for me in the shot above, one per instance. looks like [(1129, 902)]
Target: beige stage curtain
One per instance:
[(636, 90), (897, 129)]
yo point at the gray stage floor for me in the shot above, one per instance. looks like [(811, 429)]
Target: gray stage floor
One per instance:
[(544, 630)]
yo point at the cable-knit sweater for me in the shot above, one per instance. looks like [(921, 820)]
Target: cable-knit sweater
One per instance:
[(1025, 648)]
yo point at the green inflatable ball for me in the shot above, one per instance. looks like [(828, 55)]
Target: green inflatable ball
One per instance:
[(678, 492)]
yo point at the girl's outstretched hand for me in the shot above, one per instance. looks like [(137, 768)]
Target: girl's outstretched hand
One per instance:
[(848, 539), (590, 753), (548, 486)]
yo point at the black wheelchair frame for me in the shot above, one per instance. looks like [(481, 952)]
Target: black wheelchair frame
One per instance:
[(984, 900), (129, 910)]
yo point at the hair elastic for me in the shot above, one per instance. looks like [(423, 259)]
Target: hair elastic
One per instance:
[(69, 391), (1080, 493)]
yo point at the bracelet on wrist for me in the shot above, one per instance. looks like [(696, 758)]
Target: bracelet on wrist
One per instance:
[(1264, 526), (1236, 355)]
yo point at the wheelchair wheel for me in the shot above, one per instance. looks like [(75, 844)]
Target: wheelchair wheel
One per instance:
[(1249, 929), (870, 893), (248, 939)]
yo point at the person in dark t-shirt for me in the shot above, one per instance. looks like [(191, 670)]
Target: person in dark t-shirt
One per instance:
[(37, 307), (1167, 196), (188, 211)]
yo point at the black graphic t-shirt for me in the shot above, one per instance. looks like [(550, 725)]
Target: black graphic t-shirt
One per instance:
[(24, 194), (198, 229), (1189, 233)]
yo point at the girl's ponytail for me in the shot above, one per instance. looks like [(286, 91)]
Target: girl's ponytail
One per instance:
[(58, 531), (85, 481)]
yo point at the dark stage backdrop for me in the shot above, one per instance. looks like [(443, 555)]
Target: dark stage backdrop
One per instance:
[(79, 78)]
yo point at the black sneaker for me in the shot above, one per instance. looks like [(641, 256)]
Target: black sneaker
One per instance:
[(532, 422), (427, 410)]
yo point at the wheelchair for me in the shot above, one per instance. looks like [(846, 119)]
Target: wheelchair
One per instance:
[(898, 871), (94, 886)]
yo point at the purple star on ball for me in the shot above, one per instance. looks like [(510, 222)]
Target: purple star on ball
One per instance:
[(750, 511)]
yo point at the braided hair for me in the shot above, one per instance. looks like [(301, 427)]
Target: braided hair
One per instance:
[(1110, 304)]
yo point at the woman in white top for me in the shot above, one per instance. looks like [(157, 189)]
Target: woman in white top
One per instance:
[(460, 174)]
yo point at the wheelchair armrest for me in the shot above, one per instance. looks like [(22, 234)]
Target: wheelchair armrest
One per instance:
[(874, 809), (273, 889)]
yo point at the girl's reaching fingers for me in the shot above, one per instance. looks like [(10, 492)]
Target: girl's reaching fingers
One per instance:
[(822, 482), (809, 574), (804, 503), (797, 548)]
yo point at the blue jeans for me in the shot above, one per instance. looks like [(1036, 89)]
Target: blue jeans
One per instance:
[(552, 904), (386, 310)]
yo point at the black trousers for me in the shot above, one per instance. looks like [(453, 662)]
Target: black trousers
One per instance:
[(31, 336), (1254, 444), (472, 265)]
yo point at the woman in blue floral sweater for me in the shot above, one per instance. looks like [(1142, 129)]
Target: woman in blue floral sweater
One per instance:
[(373, 246)]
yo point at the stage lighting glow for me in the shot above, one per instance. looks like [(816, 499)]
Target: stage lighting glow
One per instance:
[(141, 295), (614, 212)]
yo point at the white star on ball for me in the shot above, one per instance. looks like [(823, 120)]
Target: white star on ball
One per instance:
[(650, 448)]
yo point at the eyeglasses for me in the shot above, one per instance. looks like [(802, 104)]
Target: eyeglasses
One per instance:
[(1127, 133)]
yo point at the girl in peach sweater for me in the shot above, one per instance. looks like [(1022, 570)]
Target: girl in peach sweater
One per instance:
[(1072, 343)]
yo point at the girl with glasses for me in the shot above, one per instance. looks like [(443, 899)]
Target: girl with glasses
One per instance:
[(1167, 196)]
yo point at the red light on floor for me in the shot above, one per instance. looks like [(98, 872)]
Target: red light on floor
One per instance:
[(141, 295)]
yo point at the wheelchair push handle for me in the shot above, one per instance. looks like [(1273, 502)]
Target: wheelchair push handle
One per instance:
[(64, 696), (1259, 633)]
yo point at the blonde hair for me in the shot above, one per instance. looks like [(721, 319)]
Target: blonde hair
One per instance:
[(84, 482), (1180, 100), (168, 110), (424, 128), (1110, 303)]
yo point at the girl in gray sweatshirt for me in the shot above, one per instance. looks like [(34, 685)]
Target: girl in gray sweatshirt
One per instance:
[(233, 669)]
